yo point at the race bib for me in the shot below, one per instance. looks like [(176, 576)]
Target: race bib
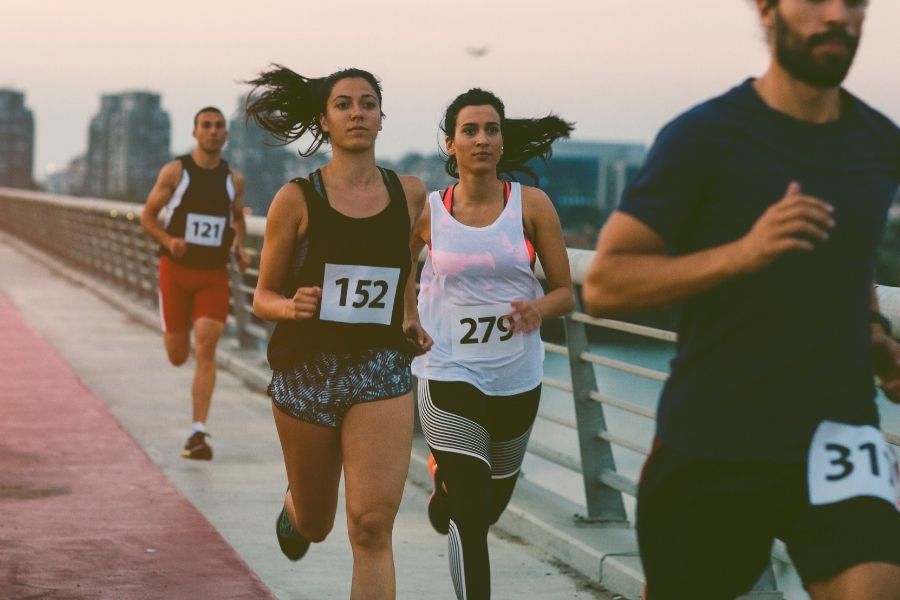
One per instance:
[(846, 461), (358, 294), (204, 230), (483, 331)]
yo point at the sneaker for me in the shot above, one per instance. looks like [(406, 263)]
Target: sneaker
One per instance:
[(438, 502), (197, 448), (293, 545)]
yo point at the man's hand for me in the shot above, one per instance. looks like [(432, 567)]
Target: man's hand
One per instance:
[(242, 258), (417, 337), (304, 303), (796, 222), (177, 246), (886, 359)]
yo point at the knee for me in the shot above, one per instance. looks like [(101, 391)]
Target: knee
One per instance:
[(314, 530), (371, 530), (205, 351), (178, 356)]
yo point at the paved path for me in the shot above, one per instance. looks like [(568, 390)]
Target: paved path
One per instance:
[(121, 364)]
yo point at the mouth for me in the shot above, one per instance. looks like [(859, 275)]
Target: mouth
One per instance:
[(352, 129)]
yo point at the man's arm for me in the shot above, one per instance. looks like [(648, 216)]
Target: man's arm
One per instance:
[(631, 271), (162, 191), (238, 222)]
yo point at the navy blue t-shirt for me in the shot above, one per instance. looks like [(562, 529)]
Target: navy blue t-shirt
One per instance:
[(764, 357)]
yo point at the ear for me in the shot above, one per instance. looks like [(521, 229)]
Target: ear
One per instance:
[(765, 9), (322, 127), (448, 142)]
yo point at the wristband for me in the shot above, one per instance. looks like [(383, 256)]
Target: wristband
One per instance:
[(877, 317)]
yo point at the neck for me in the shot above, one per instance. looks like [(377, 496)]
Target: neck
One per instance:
[(478, 188), (206, 160), (783, 92), (351, 169)]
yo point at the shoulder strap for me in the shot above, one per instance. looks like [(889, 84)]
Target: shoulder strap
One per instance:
[(392, 182), (305, 185)]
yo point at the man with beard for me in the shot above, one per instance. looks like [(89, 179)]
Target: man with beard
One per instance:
[(200, 200), (759, 211)]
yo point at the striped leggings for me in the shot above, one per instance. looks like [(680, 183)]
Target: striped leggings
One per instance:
[(478, 442)]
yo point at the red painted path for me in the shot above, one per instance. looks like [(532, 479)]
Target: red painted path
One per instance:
[(84, 512)]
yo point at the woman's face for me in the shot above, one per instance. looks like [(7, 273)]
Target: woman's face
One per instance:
[(352, 116), (477, 142)]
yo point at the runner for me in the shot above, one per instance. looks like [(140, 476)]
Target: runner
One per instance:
[(334, 271), (760, 212), (200, 200), (479, 386)]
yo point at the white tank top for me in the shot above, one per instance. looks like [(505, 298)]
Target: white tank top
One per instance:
[(469, 279)]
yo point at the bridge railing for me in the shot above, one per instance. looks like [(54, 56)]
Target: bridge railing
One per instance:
[(104, 238)]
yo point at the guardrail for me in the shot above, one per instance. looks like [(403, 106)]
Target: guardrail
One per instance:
[(104, 238)]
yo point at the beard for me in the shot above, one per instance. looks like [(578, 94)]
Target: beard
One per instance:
[(795, 54)]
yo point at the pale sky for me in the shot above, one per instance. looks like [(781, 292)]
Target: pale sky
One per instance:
[(619, 69)]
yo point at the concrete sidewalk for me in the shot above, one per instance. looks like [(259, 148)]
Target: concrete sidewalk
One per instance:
[(123, 364)]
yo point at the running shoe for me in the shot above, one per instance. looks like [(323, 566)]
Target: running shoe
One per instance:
[(438, 502), (293, 545), (196, 447)]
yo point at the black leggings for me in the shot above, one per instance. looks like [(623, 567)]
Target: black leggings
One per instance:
[(478, 442)]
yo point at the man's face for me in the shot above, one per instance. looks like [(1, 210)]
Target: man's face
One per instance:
[(210, 131), (816, 40)]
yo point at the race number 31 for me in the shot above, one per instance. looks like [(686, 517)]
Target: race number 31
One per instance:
[(483, 331), (359, 293), (846, 461)]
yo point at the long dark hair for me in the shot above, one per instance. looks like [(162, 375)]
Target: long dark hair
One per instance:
[(288, 105), (523, 139)]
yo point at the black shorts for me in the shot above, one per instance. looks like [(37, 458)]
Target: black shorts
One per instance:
[(323, 386), (706, 528)]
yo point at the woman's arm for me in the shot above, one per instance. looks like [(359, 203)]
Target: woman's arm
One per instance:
[(286, 222), (420, 218)]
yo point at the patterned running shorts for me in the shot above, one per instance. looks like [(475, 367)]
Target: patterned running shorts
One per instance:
[(323, 386)]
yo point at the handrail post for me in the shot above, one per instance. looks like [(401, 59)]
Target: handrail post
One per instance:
[(604, 504), (239, 307)]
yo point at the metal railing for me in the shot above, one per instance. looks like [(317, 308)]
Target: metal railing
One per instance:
[(104, 238)]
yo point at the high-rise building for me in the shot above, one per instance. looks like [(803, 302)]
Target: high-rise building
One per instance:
[(16, 140), (128, 144)]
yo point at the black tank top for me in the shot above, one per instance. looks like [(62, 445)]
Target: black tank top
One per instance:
[(362, 266), (200, 212)]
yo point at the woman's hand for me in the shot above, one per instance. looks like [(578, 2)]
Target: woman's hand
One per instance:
[(525, 316), (416, 335), (304, 303)]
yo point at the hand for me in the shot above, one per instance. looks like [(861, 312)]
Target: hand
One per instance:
[(304, 303), (417, 337), (242, 258), (886, 359), (796, 222), (177, 247), (525, 316)]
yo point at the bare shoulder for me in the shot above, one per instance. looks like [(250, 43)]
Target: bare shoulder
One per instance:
[(536, 202), (414, 189), (237, 176), (171, 172)]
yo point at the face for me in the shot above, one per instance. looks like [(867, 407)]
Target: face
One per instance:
[(815, 40), (210, 131), (477, 142), (352, 116)]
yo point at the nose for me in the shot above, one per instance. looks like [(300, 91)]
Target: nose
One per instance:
[(836, 12)]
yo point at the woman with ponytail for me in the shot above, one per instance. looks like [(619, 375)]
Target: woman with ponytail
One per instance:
[(480, 384), (333, 274)]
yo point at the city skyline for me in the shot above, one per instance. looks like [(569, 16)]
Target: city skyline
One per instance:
[(619, 70)]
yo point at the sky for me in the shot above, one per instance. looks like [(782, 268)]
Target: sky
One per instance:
[(619, 69)]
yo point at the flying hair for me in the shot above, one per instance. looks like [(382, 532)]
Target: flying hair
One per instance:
[(288, 105), (523, 139)]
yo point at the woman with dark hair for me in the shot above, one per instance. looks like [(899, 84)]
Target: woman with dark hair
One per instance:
[(333, 273), (480, 384)]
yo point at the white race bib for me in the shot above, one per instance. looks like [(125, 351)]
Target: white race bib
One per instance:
[(359, 293), (483, 331), (846, 461), (204, 230)]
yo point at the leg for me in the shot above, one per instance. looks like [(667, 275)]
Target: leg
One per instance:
[(696, 517), (512, 418), (873, 581), (178, 346), (174, 313), (312, 459), (848, 549), (206, 337), (376, 440), (454, 419)]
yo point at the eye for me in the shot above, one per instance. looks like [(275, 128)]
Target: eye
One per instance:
[(493, 129), (369, 105), (342, 105), (468, 130)]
